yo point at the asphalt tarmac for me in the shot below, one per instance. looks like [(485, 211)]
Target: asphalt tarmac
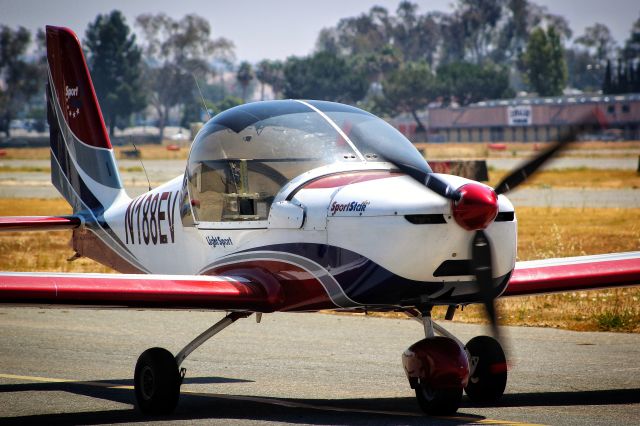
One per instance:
[(75, 366)]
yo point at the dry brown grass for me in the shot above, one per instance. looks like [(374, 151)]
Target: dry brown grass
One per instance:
[(40, 251), (543, 233), (476, 150), (148, 152), (432, 150), (577, 178)]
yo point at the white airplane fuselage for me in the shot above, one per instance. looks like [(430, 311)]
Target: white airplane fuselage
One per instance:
[(343, 230)]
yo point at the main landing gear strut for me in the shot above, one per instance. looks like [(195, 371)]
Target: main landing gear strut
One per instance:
[(158, 375), (440, 367)]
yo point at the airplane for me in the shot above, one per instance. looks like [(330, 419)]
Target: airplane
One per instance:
[(298, 206)]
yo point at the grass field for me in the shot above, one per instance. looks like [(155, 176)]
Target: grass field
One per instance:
[(432, 150), (450, 151), (576, 178), (543, 233)]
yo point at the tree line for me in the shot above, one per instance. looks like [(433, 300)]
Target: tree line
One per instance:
[(386, 62)]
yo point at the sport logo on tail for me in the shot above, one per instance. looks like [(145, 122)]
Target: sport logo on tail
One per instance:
[(73, 101)]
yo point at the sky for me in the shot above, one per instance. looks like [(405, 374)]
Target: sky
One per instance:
[(276, 29)]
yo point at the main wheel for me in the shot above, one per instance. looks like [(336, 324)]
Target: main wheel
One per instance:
[(157, 382), (489, 379), (438, 402)]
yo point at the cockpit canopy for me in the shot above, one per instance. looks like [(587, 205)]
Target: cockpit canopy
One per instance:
[(242, 157)]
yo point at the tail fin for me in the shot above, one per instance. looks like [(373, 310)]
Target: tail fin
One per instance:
[(83, 166)]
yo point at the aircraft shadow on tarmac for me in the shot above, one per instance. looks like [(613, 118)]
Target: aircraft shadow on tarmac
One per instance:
[(289, 410)]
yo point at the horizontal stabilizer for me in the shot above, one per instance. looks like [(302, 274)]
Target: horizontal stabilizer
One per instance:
[(39, 223)]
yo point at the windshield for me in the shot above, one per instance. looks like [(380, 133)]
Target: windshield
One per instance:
[(242, 157)]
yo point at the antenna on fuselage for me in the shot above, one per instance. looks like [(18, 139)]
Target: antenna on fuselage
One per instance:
[(139, 155), (204, 104)]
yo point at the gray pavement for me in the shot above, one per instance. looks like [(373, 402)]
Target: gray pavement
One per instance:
[(295, 368)]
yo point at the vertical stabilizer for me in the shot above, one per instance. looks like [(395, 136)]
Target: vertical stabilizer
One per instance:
[(83, 166)]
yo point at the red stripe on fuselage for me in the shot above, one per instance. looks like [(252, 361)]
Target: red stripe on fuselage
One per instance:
[(342, 179), (301, 291)]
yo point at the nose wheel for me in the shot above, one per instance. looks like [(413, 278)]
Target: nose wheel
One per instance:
[(488, 379), (157, 382)]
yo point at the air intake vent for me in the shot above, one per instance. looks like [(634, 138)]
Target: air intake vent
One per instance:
[(505, 217), (453, 268), (425, 219)]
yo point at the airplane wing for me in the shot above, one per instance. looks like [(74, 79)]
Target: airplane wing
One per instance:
[(574, 273), (256, 291)]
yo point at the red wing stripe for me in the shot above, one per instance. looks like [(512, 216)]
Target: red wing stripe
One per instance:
[(38, 223), (574, 275), (137, 291)]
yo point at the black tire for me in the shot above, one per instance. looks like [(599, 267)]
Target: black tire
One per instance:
[(157, 382), (440, 402), (488, 381)]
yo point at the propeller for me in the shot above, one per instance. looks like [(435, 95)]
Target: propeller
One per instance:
[(475, 206), (481, 257)]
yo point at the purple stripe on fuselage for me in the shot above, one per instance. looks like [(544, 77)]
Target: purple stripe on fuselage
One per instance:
[(368, 283)]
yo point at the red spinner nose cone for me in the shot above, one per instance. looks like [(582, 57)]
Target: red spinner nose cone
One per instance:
[(477, 208)]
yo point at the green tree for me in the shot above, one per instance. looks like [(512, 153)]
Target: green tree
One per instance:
[(468, 83), (544, 63), (263, 71), (415, 36), (176, 51), (583, 69), (244, 75), (409, 89), (324, 76), (115, 63), (271, 73), (599, 41), (227, 102), (18, 78), (607, 83), (631, 50), (480, 18)]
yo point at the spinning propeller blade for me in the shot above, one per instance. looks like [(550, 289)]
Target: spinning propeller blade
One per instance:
[(481, 261), (476, 199), (522, 173)]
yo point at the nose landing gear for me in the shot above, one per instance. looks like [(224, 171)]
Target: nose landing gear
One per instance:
[(440, 367)]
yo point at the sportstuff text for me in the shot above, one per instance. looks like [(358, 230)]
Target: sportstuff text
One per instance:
[(353, 206)]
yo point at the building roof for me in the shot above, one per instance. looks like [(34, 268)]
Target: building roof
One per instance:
[(557, 111)]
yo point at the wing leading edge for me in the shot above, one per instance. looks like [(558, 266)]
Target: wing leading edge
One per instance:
[(574, 273), (257, 293)]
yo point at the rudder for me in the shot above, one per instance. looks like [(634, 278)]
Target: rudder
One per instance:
[(83, 166)]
